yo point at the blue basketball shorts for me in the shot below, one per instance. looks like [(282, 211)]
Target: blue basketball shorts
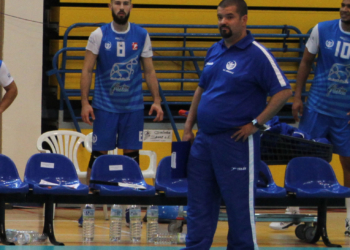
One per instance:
[(336, 130), (122, 130)]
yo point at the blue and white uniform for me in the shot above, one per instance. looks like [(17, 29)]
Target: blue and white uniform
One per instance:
[(118, 98), (236, 82), (329, 96)]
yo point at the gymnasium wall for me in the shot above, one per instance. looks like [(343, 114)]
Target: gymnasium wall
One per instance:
[(22, 53), (303, 14)]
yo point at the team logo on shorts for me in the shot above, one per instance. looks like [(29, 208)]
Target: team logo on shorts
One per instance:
[(108, 45), (329, 44), (94, 138), (231, 65)]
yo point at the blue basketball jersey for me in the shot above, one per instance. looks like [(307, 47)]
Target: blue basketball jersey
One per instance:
[(330, 90), (118, 79)]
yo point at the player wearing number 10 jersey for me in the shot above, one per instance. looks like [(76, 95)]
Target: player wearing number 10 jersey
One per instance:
[(326, 113)]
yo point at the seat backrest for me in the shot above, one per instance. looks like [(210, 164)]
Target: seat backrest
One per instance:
[(54, 168), (8, 170), (265, 177), (116, 168), (164, 170), (151, 154), (64, 142), (310, 171)]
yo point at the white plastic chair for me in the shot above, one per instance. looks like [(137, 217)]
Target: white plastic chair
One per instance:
[(150, 172), (66, 142)]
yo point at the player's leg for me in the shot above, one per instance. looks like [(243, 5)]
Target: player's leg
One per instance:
[(203, 198), (130, 138), (316, 125), (340, 138), (235, 171), (103, 139), (104, 135)]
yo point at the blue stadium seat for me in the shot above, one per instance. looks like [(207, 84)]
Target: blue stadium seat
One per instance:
[(267, 188), (10, 180), (109, 170), (173, 187), (56, 169), (314, 178)]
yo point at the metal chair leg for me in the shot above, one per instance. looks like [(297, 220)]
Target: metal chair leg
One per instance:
[(48, 224)]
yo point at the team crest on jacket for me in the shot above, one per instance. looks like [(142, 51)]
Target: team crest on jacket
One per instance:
[(135, 46), (231, 65)]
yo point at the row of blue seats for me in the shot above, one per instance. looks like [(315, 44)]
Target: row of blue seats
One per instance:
[(111, 174), (54, 175)]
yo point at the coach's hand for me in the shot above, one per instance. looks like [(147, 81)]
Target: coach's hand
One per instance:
[(188, 136), (244, 132), (297, 108), (156, 107), (86, 112)]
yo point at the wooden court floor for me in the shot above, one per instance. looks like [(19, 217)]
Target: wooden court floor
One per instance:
[(68, 232)]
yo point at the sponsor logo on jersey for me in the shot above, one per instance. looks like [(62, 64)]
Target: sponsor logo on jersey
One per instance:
[(339, 73), (329, 44), (119, 88), (337, 90), (230, 66), (119, 39), (344, 38), (108, 45), (123, 71), (135, 46)]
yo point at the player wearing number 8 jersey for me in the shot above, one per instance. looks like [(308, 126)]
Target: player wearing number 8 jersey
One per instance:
[(326, 113), (118, 49)]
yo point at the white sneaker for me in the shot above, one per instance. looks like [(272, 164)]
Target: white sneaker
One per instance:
[(280, 225), (284, 225), (347, 227)]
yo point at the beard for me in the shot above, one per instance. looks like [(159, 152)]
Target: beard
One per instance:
[(347, 22), (225, 34), (122, 20)]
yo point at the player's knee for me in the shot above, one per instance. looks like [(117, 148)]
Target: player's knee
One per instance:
[(134, 155), (93, 157)]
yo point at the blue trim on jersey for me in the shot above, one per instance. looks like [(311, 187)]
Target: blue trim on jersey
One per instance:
[(118, 79), (236, 82), (330, 91), (0, 63)]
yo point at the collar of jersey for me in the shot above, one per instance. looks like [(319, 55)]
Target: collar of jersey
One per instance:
[(341, 29), (118, 31), (242, 44)]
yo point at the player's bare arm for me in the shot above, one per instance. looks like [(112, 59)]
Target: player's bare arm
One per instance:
[(9, 97), (192, 115), (152, 84), (275, 104), (303, 74), (85, 84)]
